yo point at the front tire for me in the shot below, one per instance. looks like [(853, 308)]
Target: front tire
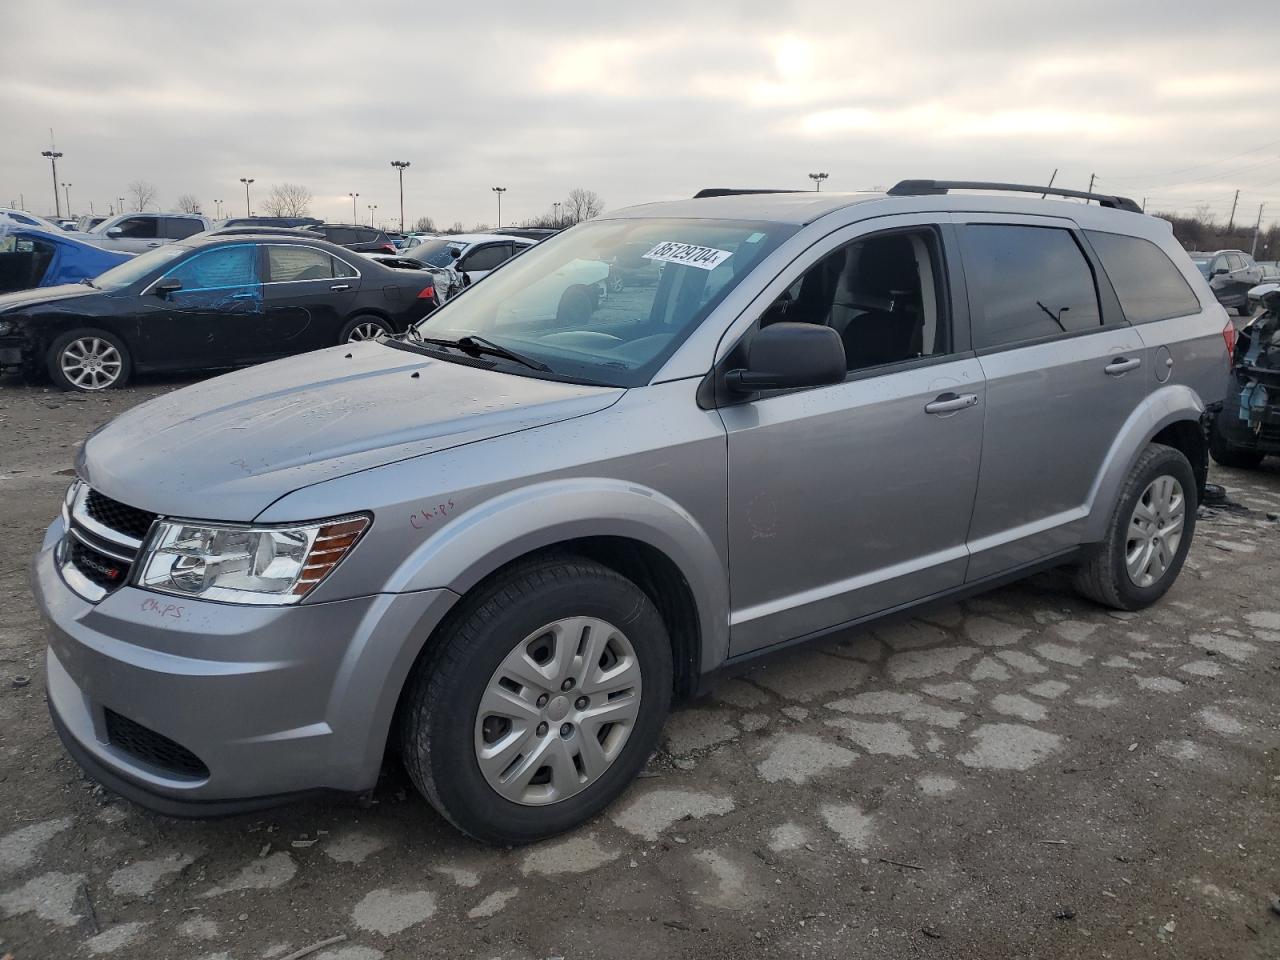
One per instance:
[(1148, 534), (540, 702), (364, 327), (89, 361)]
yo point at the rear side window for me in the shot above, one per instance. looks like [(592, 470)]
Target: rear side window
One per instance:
[(1031, 282), (341, 235), (486, 258), (1146, 281), (287, 264), (179, 228)]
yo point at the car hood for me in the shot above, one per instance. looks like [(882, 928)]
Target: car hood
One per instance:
[(38, 296), (227, 448)]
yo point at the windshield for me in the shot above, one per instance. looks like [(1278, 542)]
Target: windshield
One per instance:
[(131, 271), (608, 301), (435, 252)]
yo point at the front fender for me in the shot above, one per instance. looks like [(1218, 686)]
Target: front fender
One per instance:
[(518, 522), (1170, 404)]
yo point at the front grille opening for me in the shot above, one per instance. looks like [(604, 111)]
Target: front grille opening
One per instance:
[(152, 748), (118, 516), (107, 572)]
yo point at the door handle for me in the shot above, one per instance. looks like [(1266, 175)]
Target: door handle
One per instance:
[(154, 243), (341, 286), (951, 402), (1122, 365), (243, 296)]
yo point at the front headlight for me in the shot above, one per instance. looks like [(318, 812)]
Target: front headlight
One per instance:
[(236, 564)]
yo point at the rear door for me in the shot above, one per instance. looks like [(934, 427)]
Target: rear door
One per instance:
[(308, 295), (1064, 371), (179, 228)]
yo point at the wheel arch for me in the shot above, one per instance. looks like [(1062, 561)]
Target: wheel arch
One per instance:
[(1171, 416)]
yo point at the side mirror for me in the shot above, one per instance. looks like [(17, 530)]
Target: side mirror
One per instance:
[(787, 355), (1220, 272), (166, 287), (114, 231)]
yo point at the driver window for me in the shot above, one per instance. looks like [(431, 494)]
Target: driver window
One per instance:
[(217, 269), (882, 294), (139, 228)]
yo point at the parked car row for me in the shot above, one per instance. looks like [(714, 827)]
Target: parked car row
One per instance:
[(206, 302), (1231, 274)]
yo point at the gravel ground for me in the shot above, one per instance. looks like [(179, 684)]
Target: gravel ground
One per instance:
[(1020, 775)]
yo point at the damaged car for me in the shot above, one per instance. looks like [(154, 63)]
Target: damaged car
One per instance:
[(1247, 428), (33, 257), (206, 303)]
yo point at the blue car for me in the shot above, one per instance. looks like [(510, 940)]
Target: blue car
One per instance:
[(32, 257)]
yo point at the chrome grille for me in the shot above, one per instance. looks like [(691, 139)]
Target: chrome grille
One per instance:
[(118, 516), (102, 542)]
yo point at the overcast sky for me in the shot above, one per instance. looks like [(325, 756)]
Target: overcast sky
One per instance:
[(1175, 101)]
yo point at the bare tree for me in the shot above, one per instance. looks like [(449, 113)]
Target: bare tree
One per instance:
[(188, 204), (141, 195), (424, 225), (288, 200), (456, 227), (582, 204)]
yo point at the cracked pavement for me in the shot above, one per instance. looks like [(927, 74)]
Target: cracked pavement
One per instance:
[(1021, 774)]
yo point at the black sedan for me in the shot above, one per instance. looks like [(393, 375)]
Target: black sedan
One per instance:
[(206, 303)]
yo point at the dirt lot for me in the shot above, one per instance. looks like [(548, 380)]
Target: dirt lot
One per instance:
[(1022, 775)]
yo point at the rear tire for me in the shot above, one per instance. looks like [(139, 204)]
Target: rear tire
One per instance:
[(88, 361), (509, 759), (1159, 492), (364, 327), (1225, 453)]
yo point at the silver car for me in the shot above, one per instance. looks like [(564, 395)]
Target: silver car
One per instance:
[(139, 232), (503, 543)]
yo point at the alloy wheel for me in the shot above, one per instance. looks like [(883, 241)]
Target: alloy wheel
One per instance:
[(558, 710), (91, 363), (369, 330), (1155, 530)]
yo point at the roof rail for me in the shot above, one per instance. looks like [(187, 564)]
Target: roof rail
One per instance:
[(735, 192), (921, 188)]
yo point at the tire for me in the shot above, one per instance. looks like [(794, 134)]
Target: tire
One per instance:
[(446, 717), (364, 327), (70, 361), (1228, 454), (1104, 576)]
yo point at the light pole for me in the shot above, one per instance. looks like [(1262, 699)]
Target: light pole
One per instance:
[(372, 207), (66, 188), (499, 191), (400, 166), (120, 204), (354, 218), (817, 179), (246, 181), (556, 207), (217, 208), (53, 156)]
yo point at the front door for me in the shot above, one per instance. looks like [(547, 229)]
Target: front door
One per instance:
[(1064, 372), (205, 322), (852, 499)]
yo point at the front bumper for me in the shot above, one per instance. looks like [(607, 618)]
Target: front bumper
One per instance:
[(273, 701)]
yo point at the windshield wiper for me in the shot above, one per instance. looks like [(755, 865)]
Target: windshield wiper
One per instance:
[(478, 345)]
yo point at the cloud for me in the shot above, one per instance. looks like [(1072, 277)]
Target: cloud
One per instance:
[(636, 101)]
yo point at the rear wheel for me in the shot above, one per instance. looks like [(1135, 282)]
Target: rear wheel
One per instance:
[(88, 361), (1148, 535), (540, 702), (364, 327)]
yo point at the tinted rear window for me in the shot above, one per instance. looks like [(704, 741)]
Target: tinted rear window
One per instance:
[(1032, 282), (1146, 281)]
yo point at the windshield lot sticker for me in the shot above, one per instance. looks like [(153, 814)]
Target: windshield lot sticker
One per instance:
[(690, 254)]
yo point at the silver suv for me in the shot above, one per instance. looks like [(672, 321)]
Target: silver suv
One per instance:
[(503, 543), (139, 232)]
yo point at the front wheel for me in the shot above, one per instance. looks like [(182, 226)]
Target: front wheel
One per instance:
[(364, 327), (1148, 535), (88, 361), (540, 702)]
